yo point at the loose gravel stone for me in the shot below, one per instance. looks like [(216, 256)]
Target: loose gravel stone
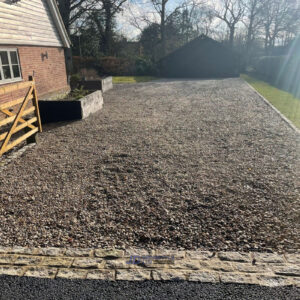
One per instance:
[(177, 164)]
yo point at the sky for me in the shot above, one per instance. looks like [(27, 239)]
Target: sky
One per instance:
[(134, 9)]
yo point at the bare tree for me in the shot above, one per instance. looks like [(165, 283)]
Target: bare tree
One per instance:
[(254, 20), (104, 19), (198, 16), (160, 7), (72, 10), (280, 16), (231, 12), (160, 14)]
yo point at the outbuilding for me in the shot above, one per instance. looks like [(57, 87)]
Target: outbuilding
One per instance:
[(33, 40), (201, 58)]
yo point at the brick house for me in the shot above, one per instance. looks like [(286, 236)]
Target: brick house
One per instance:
[(33, 40)]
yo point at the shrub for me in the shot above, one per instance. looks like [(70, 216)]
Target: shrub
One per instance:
[(281, 71), (78, 93), (74, 80), (145, 66), (114, 66), (269, 66), (84, 62), (117, 66)]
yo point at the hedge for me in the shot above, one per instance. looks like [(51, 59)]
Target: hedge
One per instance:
[(114, 66), (282, 71)]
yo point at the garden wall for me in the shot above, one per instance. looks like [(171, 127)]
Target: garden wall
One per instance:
[(104, 84), (68, 110)]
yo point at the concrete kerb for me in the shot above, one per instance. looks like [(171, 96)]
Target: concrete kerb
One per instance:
[(284, 118), (133, 264)]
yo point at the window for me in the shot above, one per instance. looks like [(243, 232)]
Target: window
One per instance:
[(9, 66)]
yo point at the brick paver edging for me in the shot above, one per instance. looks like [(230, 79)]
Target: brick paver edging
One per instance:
[(266, 269)]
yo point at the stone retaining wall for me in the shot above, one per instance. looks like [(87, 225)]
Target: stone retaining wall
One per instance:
[(104, 85), (67, 110), (91, 104), (266, 269)]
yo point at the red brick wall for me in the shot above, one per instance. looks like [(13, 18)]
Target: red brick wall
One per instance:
[(49, 73)]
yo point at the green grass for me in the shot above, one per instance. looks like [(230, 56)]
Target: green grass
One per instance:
[(132, 79), (285, 102)]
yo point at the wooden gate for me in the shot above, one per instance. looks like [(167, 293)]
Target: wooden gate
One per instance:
[(17, 114)]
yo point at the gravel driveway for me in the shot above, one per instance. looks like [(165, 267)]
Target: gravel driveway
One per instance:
[(177, 164)]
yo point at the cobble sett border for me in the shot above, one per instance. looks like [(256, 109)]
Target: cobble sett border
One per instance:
[(265, 269)]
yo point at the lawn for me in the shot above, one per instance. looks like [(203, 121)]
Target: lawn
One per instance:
[(283, 101), (132, 79)]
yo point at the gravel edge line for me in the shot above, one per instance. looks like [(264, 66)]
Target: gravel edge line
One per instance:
[(283, 117), (136, 264), (5, 161)]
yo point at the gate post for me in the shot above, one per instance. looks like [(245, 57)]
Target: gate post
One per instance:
[(34, 138)]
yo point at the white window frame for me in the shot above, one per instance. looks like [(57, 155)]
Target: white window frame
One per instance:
[(14, 79)]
